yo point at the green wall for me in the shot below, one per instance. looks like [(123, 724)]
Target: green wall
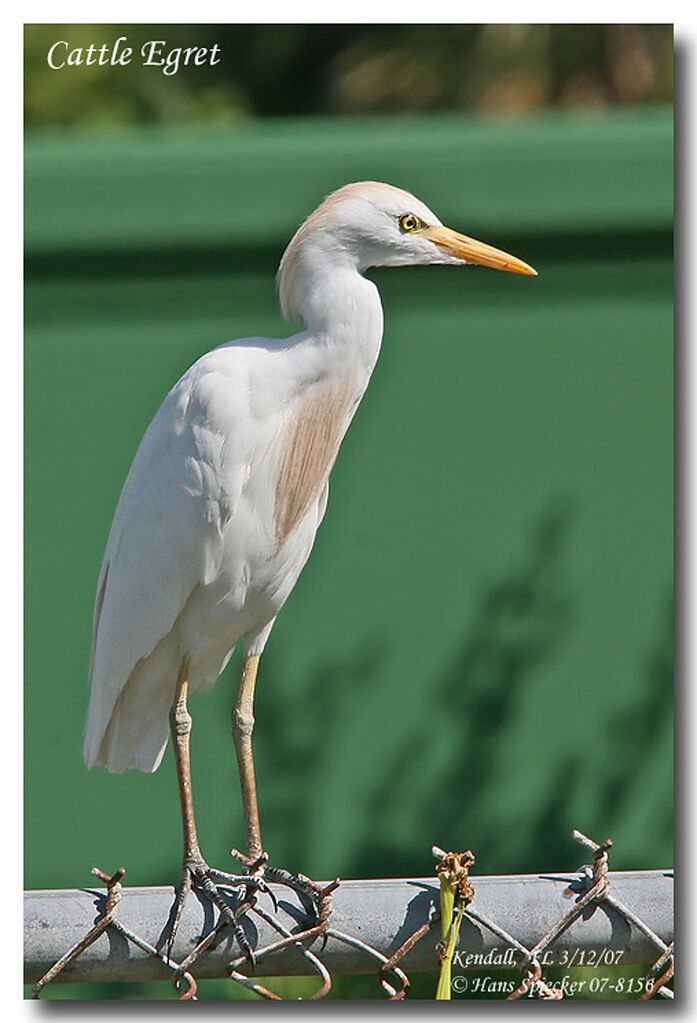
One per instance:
[(479, 652)]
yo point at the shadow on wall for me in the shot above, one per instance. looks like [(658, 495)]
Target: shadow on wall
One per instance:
[(623, 785), (516, 628), (440, 778), (642, 740), (294, 755)]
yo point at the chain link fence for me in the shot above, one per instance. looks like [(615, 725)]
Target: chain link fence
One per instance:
[(351, 925)]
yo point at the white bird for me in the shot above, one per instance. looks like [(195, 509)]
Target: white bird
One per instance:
[(222, 503)]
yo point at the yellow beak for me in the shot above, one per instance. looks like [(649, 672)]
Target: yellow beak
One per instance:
[(472, 251)]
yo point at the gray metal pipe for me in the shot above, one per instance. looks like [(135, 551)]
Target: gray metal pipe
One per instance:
[(381, 913)]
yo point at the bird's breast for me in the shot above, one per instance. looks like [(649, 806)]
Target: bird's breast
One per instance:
[(312, 433)]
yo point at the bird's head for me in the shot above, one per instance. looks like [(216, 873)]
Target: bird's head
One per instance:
[(370, 224)]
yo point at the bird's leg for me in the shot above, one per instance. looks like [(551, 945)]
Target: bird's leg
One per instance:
[(196, 871), (242, 728), (180, 726)]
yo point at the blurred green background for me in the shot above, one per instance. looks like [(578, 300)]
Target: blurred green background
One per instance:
[(479, 651)]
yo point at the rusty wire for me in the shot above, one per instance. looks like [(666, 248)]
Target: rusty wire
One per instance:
[(533, 984), (598, 890), (595, 890), (656, 984), (108, 919)]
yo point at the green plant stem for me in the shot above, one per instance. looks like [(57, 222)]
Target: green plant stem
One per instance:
[(451, 918)]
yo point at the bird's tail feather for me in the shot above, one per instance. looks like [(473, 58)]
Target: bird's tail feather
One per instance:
[(134, 732)]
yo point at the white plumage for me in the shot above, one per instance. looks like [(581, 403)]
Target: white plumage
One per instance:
[(220, 509)]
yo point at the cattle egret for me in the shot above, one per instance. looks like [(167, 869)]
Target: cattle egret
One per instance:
[(220, 508)]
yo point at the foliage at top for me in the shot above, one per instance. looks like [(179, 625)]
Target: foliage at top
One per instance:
[(281, 70)]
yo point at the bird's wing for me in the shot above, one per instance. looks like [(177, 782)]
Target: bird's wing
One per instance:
[(166, 536)]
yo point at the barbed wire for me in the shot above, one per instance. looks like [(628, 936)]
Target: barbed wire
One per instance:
[(591, 886), (108, 919), (596, 882)]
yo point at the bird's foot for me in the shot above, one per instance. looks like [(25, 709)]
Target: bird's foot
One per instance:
[(216, 885), (314, 895)]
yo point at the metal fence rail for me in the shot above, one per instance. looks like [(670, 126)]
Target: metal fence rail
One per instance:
[(506, 919)]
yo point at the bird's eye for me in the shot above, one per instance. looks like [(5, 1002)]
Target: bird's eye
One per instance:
[(409, 222)]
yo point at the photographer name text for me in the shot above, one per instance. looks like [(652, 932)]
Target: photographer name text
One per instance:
[(154, 53)]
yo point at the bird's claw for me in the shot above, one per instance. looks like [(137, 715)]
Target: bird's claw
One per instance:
[(315, 893), (255, 871), (219, 885), (249, 881), (215, 884), (263, 887)]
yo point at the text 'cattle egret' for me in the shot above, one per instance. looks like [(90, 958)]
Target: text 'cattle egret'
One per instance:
[(219, 511)]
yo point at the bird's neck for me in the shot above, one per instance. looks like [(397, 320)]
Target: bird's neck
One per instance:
[(319, 281), (343, 309)]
